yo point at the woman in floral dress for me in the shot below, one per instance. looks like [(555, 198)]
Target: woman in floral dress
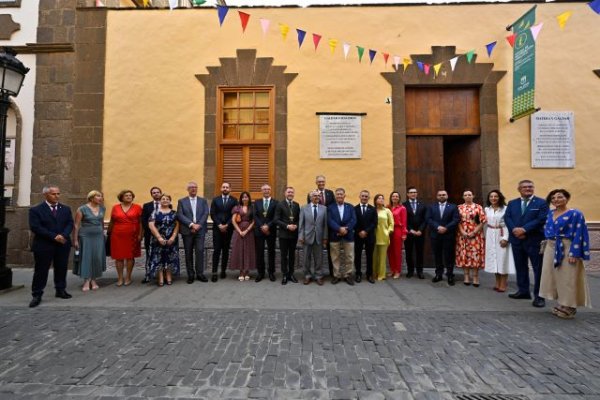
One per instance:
[(470, 243), (164, 249)]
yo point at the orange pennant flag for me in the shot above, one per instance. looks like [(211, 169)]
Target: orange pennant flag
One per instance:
[(244, 18), (385, 57)]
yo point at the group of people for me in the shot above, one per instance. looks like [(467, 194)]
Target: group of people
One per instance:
[(500, 238)]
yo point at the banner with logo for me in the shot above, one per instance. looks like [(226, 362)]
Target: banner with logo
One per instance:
[(523, 66)]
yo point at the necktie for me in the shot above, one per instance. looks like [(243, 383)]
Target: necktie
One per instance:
[(414, 206), (315, 212), (155, 206), (54, 210), (224, 200), (364, 209), (523, 206), (442, 210), (266, 204)]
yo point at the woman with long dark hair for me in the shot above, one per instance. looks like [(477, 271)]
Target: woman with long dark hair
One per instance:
[(498, 255), (242, 244)]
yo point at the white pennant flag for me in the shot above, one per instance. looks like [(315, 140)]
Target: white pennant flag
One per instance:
[(346, 50), (535, 30), (397, 62), (453, 62), (265, 23), (173, 4)]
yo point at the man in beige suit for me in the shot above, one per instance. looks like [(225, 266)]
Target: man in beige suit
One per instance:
[(312, 234)]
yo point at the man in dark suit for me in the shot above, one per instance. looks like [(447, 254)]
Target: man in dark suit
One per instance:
[(265, 232), (443, 218), (525, 218), (287, 217), (364, 236), (52, 224), (416, 213), (326, 198), (147, 210), (341, 220), (220, 213), (192, 214)]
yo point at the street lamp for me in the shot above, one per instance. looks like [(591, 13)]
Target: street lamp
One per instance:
[(12, 74)]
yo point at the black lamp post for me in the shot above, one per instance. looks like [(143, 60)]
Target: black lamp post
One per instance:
[(12, 74)]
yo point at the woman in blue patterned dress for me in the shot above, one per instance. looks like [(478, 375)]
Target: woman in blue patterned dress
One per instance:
[(164, 249), (566, 246)]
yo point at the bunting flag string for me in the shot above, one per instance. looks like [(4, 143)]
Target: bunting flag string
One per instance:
[(563, 18), (301, 35), (535, 30), (372, 54), (244, 18), (316, 40), (361, 51), (332, 45), (265, 24), (490, 47), (222, 12), (284, 29), (346, 50)]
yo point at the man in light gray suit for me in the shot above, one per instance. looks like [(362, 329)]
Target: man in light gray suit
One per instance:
[(192, 214), (312, 234)]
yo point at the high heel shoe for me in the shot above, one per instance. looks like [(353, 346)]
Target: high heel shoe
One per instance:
[(85, 287)]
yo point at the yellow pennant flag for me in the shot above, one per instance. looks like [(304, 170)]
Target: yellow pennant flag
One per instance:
[(333, 44), (562, 19), (284, 29), (436, 68), (146, 3), (406, 62)]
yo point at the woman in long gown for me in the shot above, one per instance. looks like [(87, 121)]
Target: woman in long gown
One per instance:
[(242, 243), (398, 236), (383, 233), (89, 241), (470, 246), (164, 249), (566, 246), (125, 230), (498, 255)]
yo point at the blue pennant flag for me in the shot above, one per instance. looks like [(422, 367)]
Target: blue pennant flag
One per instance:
[(490, 48), (372, 55), (301, 35), (420, 65), (595, 5), (222, 10)]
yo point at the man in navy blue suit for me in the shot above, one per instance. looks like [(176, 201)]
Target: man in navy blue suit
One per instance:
[(52, 224), (220, 213), (443, 218), (341, 220), (525, 218), (364, 236), (147, 210), (265, 233)]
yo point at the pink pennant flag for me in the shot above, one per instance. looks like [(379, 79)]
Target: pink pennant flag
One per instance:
[(385, 57), (453, 62), (397, 62), (426, 68), (332, 45), (316, 40), (346, 50), (535, 30), (265, 23), (99, 3), (244, 18)]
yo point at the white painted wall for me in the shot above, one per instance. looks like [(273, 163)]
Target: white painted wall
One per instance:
[(27, 17)]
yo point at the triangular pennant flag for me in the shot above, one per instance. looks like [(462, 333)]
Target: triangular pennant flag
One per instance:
[(173, 4), (146, 2), (346, 50), (244, 18), (397, 62), (595, 5), (420, 65), (406, 62), (385, 57), (535, 30), (436, 68), (453, 62), (332, 45), (361, 51), (490, 47), (562, 19), (426, 68), (99, 3), (222, 11), (372, 54), (265, 23), (316, 40), (511, 39), (469, 54), (195, 2), (301, 35), (284, 29)]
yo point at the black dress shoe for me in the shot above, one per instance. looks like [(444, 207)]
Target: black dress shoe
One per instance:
[(190, 280), (63, 294), (259, 278), (349, 281), (272, 277), (451, 281), (539, 302), (223, 275), (145, 280), (370, 279), (436, 279), (284, 280), (335, 280), (35, 301), (202, 278), (519, 295), (214, 278), (409, 274), (420, 275), (292, 278), (358, 278)]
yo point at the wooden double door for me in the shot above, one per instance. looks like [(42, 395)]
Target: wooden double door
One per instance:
[(443, 147)]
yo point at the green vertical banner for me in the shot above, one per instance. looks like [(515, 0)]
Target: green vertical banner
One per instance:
[(523, 66)]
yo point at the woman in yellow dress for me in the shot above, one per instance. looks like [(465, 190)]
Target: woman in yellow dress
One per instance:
[(385, 227)]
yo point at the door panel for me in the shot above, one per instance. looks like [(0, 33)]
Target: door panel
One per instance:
[(462, 167), (425, 165)]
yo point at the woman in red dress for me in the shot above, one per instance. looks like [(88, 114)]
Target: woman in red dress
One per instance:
[(125, 230), (470, 243), (398, 236)]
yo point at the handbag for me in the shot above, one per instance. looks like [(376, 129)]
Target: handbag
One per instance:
[(76, 262)]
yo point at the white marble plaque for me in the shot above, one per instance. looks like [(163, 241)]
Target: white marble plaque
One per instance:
[(341, 136), (553, 139)]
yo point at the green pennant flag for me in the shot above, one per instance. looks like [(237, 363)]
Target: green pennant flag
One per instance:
[(469, 55), (523, 66), (361, 51)]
